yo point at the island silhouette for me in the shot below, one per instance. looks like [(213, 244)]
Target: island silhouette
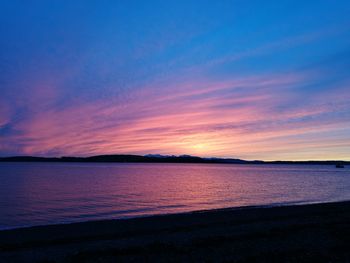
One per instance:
[(156, 158)]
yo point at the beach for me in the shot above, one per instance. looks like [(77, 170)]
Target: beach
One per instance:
[(299, 233)]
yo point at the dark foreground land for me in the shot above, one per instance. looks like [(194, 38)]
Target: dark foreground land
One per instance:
[(307, 233)]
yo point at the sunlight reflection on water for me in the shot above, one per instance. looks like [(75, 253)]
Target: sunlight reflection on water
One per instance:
[(49, 193)]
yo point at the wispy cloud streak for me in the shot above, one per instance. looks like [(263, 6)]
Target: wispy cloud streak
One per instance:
[(239, 117), (271, 85)]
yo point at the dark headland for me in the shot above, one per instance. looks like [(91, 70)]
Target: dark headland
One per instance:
[(305, 233), (157, 159)]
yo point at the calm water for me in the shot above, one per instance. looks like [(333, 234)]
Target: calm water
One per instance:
[(42, 193)]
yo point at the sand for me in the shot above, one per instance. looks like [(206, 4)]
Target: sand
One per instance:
[(304, 233)]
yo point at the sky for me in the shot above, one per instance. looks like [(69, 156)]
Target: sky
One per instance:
[(267, 80)]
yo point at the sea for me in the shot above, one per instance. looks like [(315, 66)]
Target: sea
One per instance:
[(34, 194)]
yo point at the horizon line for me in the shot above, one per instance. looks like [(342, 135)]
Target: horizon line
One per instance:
[(173, 155)]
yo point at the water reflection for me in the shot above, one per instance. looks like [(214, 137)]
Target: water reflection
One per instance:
[(35, 193)]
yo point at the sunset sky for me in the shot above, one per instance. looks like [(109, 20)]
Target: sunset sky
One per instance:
[(263, 80)]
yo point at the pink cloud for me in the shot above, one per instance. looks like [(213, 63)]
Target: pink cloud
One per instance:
[(236, 117)]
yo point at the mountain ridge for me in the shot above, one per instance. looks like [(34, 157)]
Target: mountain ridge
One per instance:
[(157, 158)]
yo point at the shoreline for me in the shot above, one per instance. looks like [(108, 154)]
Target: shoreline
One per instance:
[(129, 158), (223, 209), (244, 234)]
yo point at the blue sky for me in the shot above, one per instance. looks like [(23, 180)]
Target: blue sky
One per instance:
[(250, 79)]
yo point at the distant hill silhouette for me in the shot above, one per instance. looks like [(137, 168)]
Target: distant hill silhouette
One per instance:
[(156, 159)]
